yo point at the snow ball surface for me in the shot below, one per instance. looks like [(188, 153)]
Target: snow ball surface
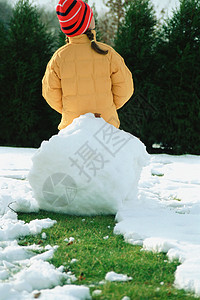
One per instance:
[(88, 168)]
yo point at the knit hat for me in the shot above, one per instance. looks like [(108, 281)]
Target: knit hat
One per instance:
[(74, 16)]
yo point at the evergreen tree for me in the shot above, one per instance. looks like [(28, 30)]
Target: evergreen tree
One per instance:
[(27, 119), (61, 39), (3, 68), (178, 77), (135, 41)]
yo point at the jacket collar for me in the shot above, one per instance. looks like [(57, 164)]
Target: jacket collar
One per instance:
[(81, 39)]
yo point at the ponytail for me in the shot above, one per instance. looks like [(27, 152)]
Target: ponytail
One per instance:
[(66, 40), (94, 45)]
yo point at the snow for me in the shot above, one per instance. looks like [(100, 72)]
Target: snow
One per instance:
[(44, 236), (70, 240), (69, 292), (112, 276), (74, 260), (89, 159), (165, 216), (22, 270), (96, 293)]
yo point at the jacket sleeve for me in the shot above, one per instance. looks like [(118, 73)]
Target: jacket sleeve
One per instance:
[(51, 86), (122, 81)]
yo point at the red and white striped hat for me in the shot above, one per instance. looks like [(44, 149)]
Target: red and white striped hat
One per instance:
[(74, 16)]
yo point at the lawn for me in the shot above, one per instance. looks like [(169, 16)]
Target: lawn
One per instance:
[(98, 251)]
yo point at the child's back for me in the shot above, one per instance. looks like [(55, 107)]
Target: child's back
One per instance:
[(79, 80)]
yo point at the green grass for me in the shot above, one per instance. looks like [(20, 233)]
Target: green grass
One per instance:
[(97, 256)]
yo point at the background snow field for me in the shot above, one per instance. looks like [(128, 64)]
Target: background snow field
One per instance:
[(164, 218)]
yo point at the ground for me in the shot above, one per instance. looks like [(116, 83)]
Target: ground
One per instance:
[(165, 218)]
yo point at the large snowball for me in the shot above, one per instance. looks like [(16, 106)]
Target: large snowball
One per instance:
[(88, 168)]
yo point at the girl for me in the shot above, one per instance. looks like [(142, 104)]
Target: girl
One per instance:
[(85, 76)]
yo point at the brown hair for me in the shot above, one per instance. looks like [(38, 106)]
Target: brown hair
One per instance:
[(66, 39), (94, 45)]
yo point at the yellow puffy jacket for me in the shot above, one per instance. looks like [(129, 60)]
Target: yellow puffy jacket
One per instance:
[(78, 80)]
